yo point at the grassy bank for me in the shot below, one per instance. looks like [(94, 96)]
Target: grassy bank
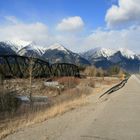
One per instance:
[(73, 96)]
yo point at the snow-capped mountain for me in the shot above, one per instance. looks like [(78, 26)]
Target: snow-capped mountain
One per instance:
[(17, 45), (32, 50), (127, 53), (107, 52), (58, 53), (54, 53), (58, 47), (103, 57), (7, 49), (97, 54)]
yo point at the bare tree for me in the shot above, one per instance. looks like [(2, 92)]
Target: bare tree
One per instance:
[(31, 63), (121, 74), (91, 71), (101, 72), (1, 91)]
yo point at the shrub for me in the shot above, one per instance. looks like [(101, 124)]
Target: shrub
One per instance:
[(114, 70), (90, 71), (9, 102), (100, 72)]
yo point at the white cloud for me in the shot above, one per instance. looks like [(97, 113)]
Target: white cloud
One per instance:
[(71, 24), (15, 30), (12, 19), (71, 41), (38, 32), (126, 38), (127, 12)]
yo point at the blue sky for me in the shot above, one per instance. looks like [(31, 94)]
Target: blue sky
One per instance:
[(77, 24), (51, 11)]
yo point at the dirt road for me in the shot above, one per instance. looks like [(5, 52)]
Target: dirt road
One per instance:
[(114, 117)]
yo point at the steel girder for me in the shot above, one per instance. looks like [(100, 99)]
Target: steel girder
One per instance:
[(64, 69), (18, 66)]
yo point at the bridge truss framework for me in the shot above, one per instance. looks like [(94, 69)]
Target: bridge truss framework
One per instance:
[(19, 66)]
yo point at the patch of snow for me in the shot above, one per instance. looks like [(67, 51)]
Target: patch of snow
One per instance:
[(57, 46), (32, 48), (107, 52), (39, 49), (18, 44), (99, 52), (127, 53)]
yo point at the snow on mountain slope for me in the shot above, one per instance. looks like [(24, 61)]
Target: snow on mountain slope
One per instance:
[(6, 49), (107, 52), (58, 47), (127, 53), (105, 58), (24, 48), (32, 50), (100, 57), (98, 53), (16, 45), (58, 53)]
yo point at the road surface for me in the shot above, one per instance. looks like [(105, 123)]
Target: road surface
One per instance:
[(114, 117)]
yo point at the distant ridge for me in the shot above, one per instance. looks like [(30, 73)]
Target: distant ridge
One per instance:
[(57, 53), (54, 53), (105, 57)]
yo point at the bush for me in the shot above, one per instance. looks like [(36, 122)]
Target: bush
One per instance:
[(100, 72), (114, 70), (9, 102), (91, 71)]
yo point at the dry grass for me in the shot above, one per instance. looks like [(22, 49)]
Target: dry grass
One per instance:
[(69, 99), (91, 83), (41, 116), (69, 82)]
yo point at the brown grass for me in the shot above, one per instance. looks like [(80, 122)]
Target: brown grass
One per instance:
[(69, 82), (70, 98), (41, 116)]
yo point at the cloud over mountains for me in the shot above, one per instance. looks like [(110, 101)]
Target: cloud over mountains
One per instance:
[(71, 24), (122, 29), (17, 30), (127, 12)]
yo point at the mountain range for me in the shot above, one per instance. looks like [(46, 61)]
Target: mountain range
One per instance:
[(57, 53), (106, 57)]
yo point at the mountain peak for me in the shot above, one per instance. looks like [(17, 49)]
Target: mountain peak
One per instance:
[(100, 52), (32, 49), (127, 53), (57, 46), (106, 52), (18, 44)]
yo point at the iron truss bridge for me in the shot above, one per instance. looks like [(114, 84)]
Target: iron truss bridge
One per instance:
[(13, 66)]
